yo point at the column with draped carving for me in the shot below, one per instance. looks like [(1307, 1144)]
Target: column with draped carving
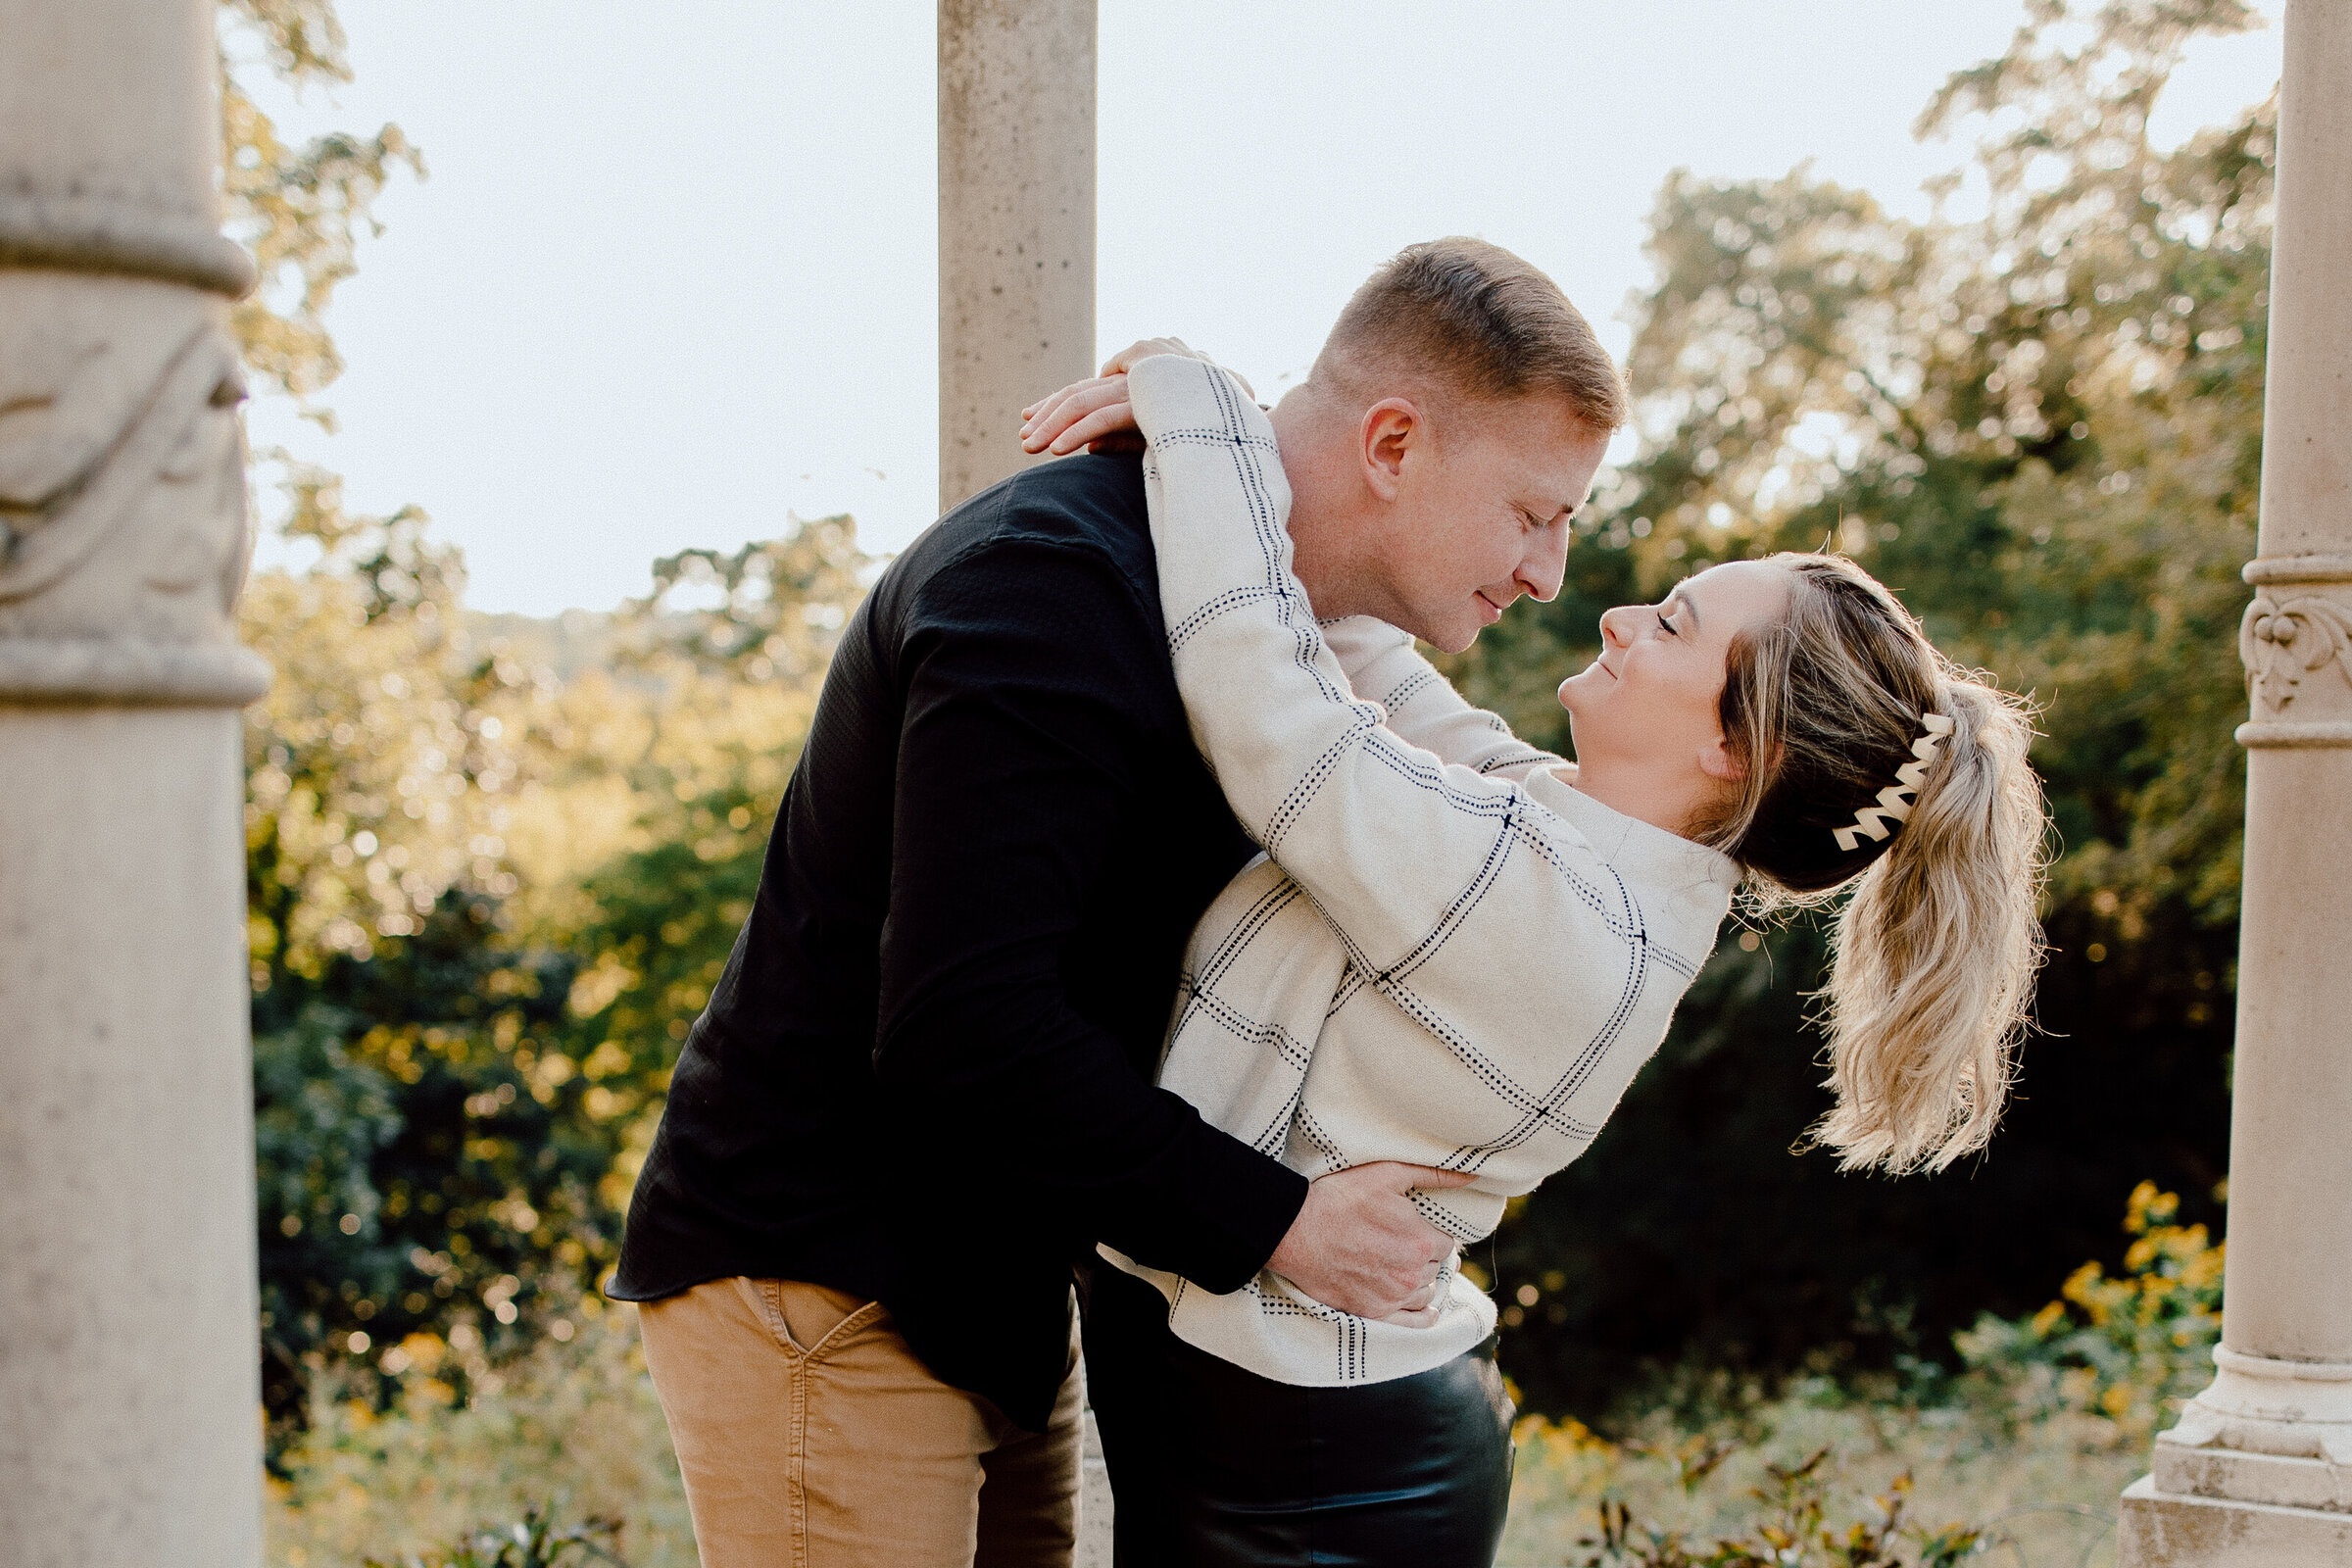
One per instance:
[(130, 1397)]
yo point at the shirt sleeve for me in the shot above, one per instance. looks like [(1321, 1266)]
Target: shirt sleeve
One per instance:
[(1020, 749), (1424, 710)]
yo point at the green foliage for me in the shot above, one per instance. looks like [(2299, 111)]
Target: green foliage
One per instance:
[(772, 609), (663, 922), (2132, 1349), (394, 1173), (469, 996), (572, 1421), (2051, 1416), (380, 772), (2042, 425), (423, 1180), (493, 879), (1790, 1532), (531, 1542)]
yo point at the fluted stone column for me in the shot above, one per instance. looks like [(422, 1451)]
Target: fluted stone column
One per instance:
[(129, 1399), (1016, 225), (2258, 1472)]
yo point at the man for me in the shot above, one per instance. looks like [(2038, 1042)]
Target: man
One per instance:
[(922, 1090)]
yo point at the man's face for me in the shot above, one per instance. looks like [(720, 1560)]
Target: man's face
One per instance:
[(1480, 517)]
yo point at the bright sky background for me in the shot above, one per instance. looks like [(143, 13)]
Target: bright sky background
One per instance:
[(671, 277)]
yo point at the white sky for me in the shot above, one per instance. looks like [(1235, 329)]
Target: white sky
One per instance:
[(671, 277)]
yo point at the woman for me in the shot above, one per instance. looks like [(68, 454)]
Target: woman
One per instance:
[(1457, 953)]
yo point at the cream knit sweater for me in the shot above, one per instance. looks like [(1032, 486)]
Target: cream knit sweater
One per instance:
[(1446, 954)]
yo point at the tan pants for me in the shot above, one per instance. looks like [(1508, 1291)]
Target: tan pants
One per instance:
[(810, 1436)]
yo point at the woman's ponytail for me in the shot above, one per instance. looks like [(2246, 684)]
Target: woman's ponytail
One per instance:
[(1933, 958), (1940, 838)]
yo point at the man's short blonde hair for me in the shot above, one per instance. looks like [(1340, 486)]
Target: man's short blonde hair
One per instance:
[(1482, 320)]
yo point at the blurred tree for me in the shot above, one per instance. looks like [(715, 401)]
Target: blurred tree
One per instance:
[(489, 897), (297, 209), (406, 1148), (485, 905), (772, 609), (483, 901), (2042, 426)]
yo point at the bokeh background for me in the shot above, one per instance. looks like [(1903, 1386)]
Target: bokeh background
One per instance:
[(597, 370)]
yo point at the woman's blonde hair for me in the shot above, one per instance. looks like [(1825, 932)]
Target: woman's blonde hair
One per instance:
[(1934, 954)]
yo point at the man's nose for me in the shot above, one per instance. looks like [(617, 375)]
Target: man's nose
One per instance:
[(1545, 564)]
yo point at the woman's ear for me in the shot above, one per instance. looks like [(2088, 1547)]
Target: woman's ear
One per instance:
[(1718, 761)]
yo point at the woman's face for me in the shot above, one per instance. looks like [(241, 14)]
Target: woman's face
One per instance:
[(1650, 702)]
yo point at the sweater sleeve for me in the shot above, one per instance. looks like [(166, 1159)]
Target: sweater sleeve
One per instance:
[(1393, 845), (1424, 709)]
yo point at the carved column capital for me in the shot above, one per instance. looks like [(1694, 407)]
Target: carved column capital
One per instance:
[(2295, 642), (123, 529), (81, 232)]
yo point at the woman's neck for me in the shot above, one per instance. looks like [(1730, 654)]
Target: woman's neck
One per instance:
[(1668, 801)]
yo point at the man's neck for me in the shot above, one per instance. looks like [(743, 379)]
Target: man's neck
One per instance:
[(1327, 539)]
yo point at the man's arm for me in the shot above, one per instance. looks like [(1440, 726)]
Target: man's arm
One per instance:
[(1021, 751)]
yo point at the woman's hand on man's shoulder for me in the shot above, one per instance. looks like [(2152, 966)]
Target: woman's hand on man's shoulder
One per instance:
[(1096, 414)]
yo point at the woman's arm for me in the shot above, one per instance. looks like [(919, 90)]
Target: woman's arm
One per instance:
[(1512, 962), (1095, 414), (1386, 837), (1424, 709), (1381, 661)]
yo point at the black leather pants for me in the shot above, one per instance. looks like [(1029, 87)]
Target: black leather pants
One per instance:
[(1215, 1467)]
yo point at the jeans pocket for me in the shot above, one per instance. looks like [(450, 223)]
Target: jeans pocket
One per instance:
[(814, 1321)]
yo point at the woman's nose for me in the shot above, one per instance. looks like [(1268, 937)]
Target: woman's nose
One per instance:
[(1612, 627)]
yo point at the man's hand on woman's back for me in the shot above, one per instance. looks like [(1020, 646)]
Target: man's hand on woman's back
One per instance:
[(1359, 1245)]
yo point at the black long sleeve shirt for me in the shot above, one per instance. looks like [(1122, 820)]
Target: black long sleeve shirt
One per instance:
[(925, 1075)]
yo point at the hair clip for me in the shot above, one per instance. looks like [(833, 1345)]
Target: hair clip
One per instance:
[(1895, 801)]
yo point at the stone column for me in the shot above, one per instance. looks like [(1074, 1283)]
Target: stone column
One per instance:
[(2258, 1472), (1016, 292), (1016, 225), (129, 1394)]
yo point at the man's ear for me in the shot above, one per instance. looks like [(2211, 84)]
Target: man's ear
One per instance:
[(1390, 428), (1718, 761)]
